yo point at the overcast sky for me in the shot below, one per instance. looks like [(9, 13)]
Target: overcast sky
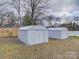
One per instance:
[(4, 0), (65, 6), (62, 6)]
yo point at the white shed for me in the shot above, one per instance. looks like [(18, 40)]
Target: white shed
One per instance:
[(31, 35), (58, 33)]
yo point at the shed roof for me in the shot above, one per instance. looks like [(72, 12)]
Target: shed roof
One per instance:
[(33, 27), (57, 28)]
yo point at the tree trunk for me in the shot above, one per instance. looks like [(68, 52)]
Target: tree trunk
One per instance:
[(19, 14), (32, 16)]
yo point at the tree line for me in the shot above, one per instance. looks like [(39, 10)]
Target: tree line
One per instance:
[(71, 26)]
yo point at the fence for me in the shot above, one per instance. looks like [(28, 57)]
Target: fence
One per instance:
[(8, 32)]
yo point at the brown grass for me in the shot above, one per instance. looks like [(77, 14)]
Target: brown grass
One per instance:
[(11, 48)]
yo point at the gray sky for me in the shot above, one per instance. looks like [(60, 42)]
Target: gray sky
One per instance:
[(62, 6), (4, 0)]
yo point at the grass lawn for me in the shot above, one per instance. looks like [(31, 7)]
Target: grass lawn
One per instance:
[(11, 48)]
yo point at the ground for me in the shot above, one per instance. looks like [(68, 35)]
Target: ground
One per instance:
[(12, 48)]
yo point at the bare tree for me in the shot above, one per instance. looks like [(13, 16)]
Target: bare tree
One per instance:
[(17, 5), (1, 17), (35, 8), (50, 20), (6, 18)]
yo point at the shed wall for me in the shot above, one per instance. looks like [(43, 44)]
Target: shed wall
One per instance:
[(23, 36), (36, 37)]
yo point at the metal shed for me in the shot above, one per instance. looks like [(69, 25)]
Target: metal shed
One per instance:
[(31, 35), (58, 33)]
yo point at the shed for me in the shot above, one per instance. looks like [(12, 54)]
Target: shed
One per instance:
[(58, 32), (31, 35)]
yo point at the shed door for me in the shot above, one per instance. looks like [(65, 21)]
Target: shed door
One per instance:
[(36, 37)]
